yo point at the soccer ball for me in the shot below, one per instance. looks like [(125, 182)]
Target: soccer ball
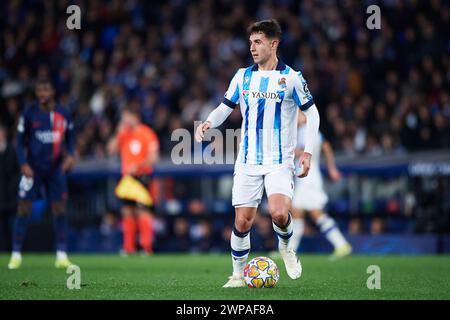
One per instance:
[(261, 272)]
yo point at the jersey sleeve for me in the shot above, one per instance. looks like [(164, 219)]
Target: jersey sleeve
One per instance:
[(22, 131), (231, 98), (321, 138), (300, 92), (70, 135), (301, 138)]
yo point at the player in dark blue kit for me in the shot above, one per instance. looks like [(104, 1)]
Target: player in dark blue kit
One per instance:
[(45, 151)]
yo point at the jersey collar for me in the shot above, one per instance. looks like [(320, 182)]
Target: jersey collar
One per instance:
[(280, 66)]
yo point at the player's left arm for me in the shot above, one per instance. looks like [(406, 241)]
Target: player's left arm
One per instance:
[(22, 144), (333, 171), (305, 102), (69, 159)]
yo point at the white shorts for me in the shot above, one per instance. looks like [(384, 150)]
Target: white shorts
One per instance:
[(309, 194), (248, 185)]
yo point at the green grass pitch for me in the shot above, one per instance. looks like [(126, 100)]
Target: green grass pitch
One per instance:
[(183, 277)]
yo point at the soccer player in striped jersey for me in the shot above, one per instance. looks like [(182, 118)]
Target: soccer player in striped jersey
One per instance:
[(269, 94), (310, 197)]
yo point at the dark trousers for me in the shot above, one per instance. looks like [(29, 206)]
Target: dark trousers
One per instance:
[(6, 217)]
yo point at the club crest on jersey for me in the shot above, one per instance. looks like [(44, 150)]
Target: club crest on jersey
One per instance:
[(282, 83)]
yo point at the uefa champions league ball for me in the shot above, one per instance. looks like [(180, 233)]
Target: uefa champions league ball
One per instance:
[(261, 272)]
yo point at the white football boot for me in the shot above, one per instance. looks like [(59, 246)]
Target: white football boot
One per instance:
[(235, 281), (292, 263)]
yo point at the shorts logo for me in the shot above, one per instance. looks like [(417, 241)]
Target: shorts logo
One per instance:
[(25, 185)]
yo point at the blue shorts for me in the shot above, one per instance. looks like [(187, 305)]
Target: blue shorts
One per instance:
[(53, 184)]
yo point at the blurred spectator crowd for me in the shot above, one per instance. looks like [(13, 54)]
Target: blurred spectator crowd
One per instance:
[(378, 91)]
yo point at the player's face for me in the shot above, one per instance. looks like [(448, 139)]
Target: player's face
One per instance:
[(129, 119), (44, 93), (261, 47)]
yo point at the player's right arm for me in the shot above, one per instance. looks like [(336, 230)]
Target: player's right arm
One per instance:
[(221, 113), (22, 132), (69, 159), (304, 100)]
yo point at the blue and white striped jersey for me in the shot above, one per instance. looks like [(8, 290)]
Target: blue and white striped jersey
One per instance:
[(269, 102)]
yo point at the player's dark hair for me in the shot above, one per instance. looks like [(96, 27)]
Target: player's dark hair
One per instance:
[(43, 82), (271, 28), (132, 109)]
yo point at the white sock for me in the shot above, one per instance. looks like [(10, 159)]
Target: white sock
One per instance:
[(284, 233), (16, 255), (240, 248), (61, 255), (299, 229), (331, 231)]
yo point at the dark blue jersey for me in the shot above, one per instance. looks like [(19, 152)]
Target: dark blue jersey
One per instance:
[(42, 137)]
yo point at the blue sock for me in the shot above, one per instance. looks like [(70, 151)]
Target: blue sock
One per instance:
[(19, 231), (60, 226)]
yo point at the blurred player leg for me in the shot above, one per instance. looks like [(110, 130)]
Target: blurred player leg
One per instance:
[(19, 230), (57, 194), (299, 228), (331, 231), (279, 186), (247, 193), (279, 205), (61, 230), (28, 191), (281, 219), (129, 229), (240, 244), (144, 220)]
